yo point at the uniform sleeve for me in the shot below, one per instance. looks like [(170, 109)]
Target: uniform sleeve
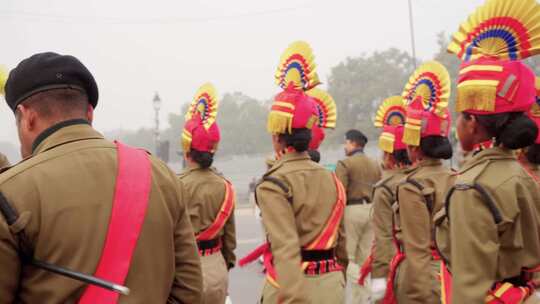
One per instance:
[(474, 247), (229, 242), (279, 222), (11, 265), (341, 248), (187, 285), (342, 174), (382, 227), (415, 222)]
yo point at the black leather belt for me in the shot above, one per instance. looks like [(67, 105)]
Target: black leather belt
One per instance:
[(209, 244), (358, 201), (317, 255)]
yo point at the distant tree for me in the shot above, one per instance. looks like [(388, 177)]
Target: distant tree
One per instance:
[(359, 84)]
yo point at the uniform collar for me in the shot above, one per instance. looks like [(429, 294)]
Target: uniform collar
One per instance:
[(288, 157), (63, 133), (357, 151), (494, 153), (429, 162)]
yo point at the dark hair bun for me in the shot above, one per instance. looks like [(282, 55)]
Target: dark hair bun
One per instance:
[(533, 154), (402, 157), (436, 147), (519, 132), (314, 155), (204, 159), (299, 139)]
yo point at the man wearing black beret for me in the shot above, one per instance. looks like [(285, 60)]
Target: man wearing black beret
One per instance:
[(61, 204)]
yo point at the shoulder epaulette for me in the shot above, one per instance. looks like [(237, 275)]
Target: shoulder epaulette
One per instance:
[(487, 199), (427, 198), (276, 181)]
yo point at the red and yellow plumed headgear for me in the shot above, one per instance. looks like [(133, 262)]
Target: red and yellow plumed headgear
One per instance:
[(292, 108), (426, 96), (201, 131), (534, 112), (327, 116), (391, 118), (491, 43)]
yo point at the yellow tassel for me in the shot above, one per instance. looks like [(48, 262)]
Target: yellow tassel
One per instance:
[(279, 123), (411, 135), (186, 143), (479, 98), (386, 143)]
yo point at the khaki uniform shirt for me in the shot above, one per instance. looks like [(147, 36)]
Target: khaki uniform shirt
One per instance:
[(415, 225), (3, 161), (383, 199), (64, 194), (295, 218), (482, 252), (205, 192), (358, 173)]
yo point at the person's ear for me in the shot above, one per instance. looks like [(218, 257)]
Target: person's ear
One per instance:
[(90, 113), (26, 118)]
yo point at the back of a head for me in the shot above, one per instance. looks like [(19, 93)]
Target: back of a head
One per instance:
[(437, 147), (401, 157), (299, 139), (202, 158), (59, 105), (514, 130), (357, 137)]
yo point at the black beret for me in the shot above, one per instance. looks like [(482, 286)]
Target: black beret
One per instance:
[(48, 71)]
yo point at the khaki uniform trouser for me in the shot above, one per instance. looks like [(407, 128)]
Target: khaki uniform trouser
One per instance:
[(359, 234), (215, 279), (434, 286), (328, 288)]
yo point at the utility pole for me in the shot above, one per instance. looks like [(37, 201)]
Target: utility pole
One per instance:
[(411, 24), (156, 102)]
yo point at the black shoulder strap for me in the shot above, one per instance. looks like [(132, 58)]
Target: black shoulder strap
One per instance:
[(488, 200), (7, 211), (385, 187), (277, 182), (281, 184), (427, 198)]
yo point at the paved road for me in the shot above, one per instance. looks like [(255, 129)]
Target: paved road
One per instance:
[(246, 283)]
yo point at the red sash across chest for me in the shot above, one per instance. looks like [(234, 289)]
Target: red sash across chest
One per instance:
[(227, 208), (324, 241), (130, 202)]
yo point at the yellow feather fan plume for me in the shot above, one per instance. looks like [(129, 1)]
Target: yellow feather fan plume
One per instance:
[(297, 66), (326, 108), (206, 103), (503, 29), (391, 112)]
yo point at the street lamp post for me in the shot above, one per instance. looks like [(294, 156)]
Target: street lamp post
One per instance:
[(156, 102), (411, 25)]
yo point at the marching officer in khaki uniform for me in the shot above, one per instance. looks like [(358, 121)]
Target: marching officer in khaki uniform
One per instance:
[(359, 174), (66, 203), (4, 162), (414, 270), (391, 117), (489, 231), (209, 196), (301, 202)]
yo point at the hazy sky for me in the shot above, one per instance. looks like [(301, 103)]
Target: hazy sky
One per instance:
[(134, 48)]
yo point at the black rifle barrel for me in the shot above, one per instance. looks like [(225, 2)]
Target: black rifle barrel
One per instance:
[(81, 277)]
